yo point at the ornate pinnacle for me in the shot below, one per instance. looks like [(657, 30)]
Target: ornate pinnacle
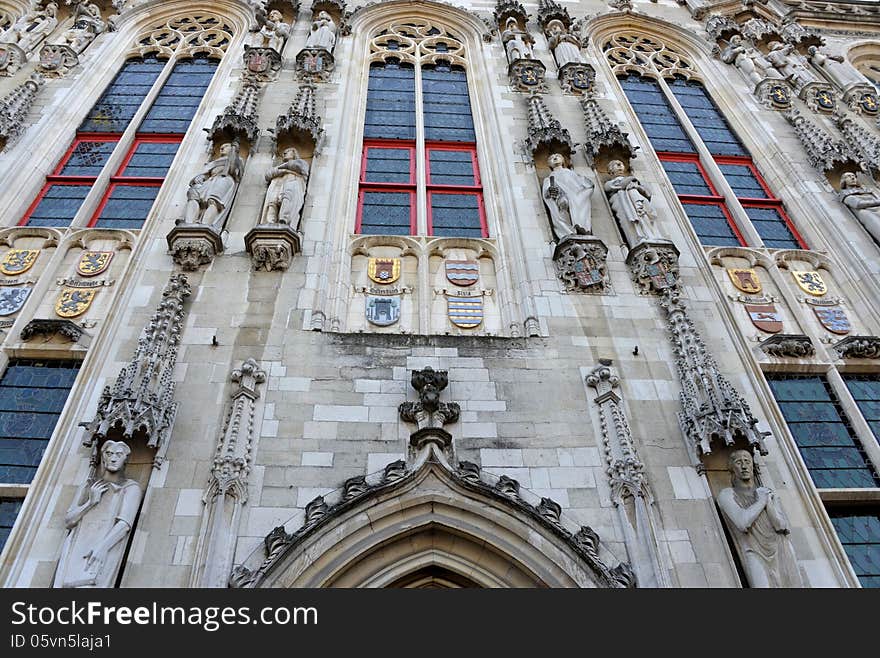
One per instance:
[(239, 119), (860, 142), (545, 129), (302, 117), (14, 108), (549, 10), (602, 135), (823, 152)]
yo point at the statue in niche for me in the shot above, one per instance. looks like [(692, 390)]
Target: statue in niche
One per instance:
[(748, 60), (323, 32), (631, 203), (287, 190), (567, 197), (273, 31), (790, 64), (517, 42), (87, 24), (836, 69), (32, 28), (212, 191), (566, 46), (759, 526), (864, 203), (99, 521)]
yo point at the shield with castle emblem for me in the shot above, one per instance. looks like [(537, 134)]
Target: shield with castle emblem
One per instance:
[(12, 299), (765, 317), (74, 302), (383, 270), (833, 319), (383, 310), (745, 280), (462, 272), (18, 261), (92, 263), (465, 312), (810, 282)]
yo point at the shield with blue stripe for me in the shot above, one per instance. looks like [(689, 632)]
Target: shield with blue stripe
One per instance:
[(465, 312), (462, 272)]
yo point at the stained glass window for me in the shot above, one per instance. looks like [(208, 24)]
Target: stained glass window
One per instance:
[(859, 532), (9, 509), (865, 390)]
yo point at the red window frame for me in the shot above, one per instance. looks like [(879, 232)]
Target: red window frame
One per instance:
[(118, 179), (407, 188), (769, 202), (702, 200), (55, 178), (474, 190)]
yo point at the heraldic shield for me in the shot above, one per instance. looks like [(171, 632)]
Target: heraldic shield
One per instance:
[(383, 270), (465, 312), (18, 261), (12, 299), (746, 281), (765, 317), (383, 311), (462, 272), (92, 263), (660, 275), (833, 319), (810, 282), (74, 302)]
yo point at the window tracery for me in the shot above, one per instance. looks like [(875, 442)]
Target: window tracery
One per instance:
[(200, 33), (633, 53)]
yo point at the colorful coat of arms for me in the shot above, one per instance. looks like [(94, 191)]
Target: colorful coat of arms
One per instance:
[(18, 261), (383, 270), (810, 282), (12, 299), (833, 319), (465, 312), (765, 317), (745, 280), (92, 263), (383, 310), (74, 302), (660, 275), (462, 272)]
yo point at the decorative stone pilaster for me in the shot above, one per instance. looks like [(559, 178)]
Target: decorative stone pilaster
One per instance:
[(140, 406), (605, 141), (823, 151), (429, 413), (795, 346), (630, 492), (227, 489), (858, 347), (581, 263), (14, 108)]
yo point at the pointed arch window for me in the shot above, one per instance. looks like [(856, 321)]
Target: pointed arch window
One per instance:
[(156, 93), (419, 170), (681, 120)]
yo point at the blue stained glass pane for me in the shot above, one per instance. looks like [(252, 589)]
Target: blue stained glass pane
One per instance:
[(386, 213), (451, 167), (9, 509), (859, 532), (123, 97), (391, 102), (87, 159), (826, 440), (656, 115), (711, 225), (151, 159), (865, 390), (743, 181), (707, 119), (128, 206), (456, 215), (386, 165), (447, 106), (772, 228), (687, 178), (180, 96), (59, 205)]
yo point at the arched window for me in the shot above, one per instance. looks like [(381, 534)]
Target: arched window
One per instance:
[(159, 93), (656, 79), (419, 170)]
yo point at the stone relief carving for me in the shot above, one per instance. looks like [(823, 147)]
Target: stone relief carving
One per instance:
[(429, 413), (631, 203), (322, 33), (788, 345), (858, 347), (567, 196), (211, 191), (759, 527), (791, 64), (98, 523), (14, 108), (751, 63), (581, 264), (836, 69), (287, 190), (29, 30), (87, 25), (863, 202)]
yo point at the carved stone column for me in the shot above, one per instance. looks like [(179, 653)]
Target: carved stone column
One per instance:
[(227, 489), (630, 492), (429, 413), (14, 108)]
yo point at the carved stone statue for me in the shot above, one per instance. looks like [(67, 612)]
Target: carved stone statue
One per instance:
[(759, 526), (864, 203), (212, 191), (565, 46), (287, 190), (631, 203), (790, 63), (748, 60), (87, 24), (99, 521), (836, 69), (272, 33), (29, 30), (323, 32), (517, 43), (567, 197)]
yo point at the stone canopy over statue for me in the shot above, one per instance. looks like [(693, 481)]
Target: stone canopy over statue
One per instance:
[(99, 521), (287, 190), (759, 527), (567, 197), (631, 203)]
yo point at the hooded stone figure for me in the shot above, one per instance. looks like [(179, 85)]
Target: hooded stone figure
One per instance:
[(565, 46), (567, 197), (836, 69), (99, 521)]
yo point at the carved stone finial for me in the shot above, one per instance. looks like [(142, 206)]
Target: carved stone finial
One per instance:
[(823, 151), (550, 10), (469, 472), (394, 471), (623, 576), (315, 511), (301, 122), (354, 487), (604, 139), (587, 540), (545, 131), (507, 486), (864, 145), (14, 108), (238, 121), (550, 510)]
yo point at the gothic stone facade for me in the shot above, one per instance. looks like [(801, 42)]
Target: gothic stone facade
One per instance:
[(533, 368)]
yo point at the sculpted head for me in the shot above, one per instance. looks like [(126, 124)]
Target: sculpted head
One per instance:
[(324, 16), (51, 10), (736, 40), (556, 160), (290, 153), (848, 179), (741, 466), (616, 168), (114, 454), (812, 50), (275, 16), (555, 26), (511, 24)]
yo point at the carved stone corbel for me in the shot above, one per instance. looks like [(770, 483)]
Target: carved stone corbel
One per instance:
[(580, 262), (429, 413), (858, 347), (796, 346), (65, 328)]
